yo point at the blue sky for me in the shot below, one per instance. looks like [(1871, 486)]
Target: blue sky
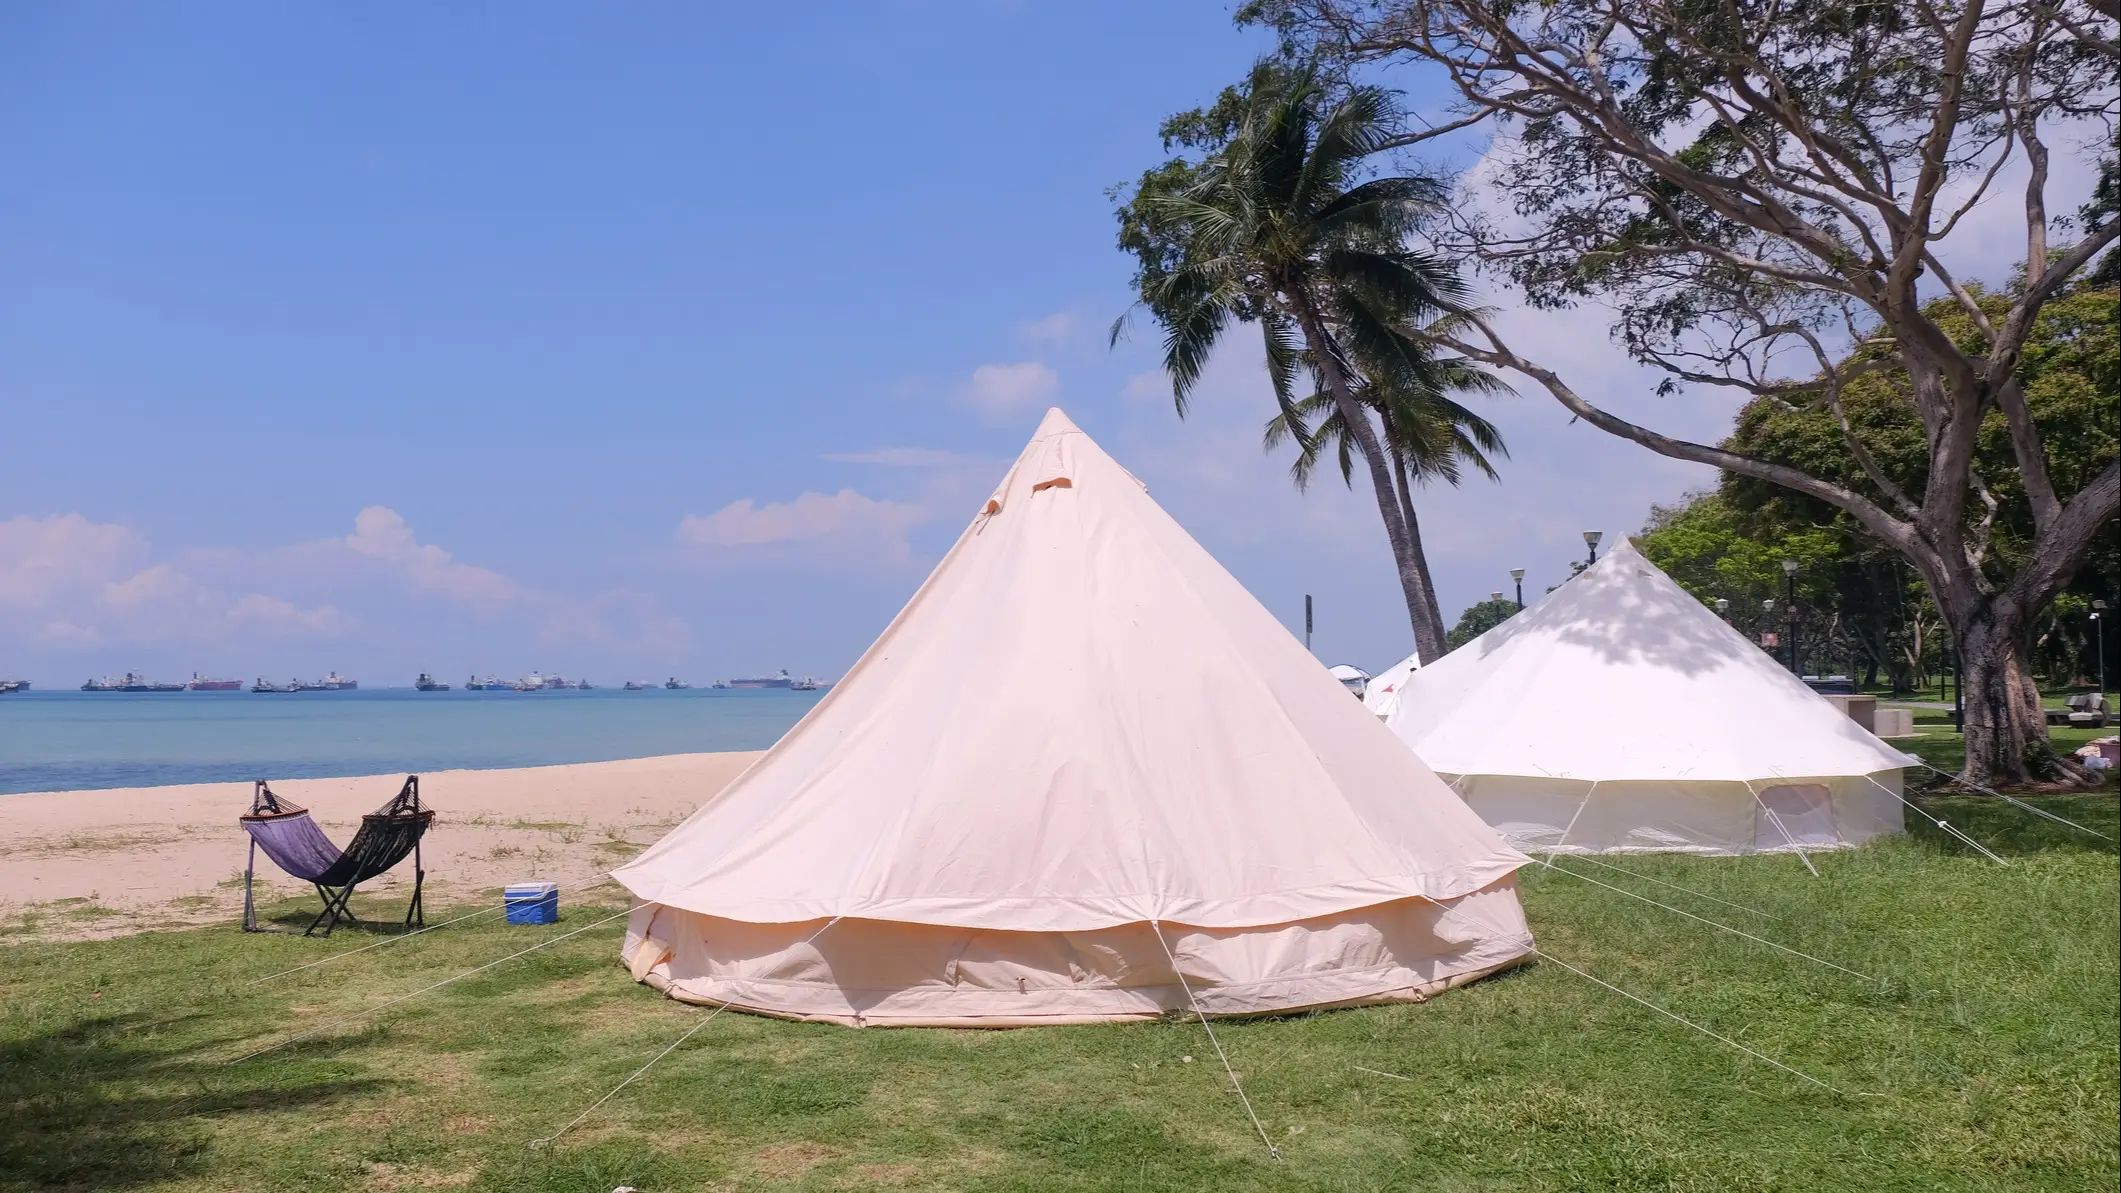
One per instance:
[(627, 340)]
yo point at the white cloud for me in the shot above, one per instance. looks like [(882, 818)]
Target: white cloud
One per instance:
[(1054, 331), (843, 519), (897, 457), (61, 632), (999, 391), (68, 584), (273, 615), (160, 584), (380, 533), (44, 559)]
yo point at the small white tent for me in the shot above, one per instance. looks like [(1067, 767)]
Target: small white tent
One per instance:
[(1381, 694), (1619, 713), (1352, 678), (1081, 742)]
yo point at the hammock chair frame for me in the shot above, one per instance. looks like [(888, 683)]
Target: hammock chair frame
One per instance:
[(385, 837)]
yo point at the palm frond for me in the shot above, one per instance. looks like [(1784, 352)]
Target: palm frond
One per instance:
[(1350, 134), (1190, 336)]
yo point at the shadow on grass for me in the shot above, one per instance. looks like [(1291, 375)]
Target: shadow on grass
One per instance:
[(113, 1102), (377, 918)]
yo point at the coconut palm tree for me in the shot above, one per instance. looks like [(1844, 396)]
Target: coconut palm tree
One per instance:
[(1276, 225)]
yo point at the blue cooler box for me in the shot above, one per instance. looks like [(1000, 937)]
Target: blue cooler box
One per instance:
[(532, 902)]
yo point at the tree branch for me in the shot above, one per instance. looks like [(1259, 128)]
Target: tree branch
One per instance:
[(1891, 530)]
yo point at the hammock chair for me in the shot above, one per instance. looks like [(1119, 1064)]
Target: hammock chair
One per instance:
[(295, 844)]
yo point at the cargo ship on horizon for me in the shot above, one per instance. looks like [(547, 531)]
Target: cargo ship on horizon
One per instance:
[(129, 683), (200, 683), (535, 682)]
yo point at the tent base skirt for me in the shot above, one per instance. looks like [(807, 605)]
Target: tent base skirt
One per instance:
[(1720, 818), (1421, 993), (871, 973)]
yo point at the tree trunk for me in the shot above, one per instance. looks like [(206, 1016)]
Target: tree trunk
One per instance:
[(2005, 726), (1413, 572), (1431, 613)]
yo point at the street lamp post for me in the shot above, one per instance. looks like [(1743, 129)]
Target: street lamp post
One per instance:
[(1517, 575), (1590, 539), (1789, 572), (2099, 627), (1723, 608), (1767, 620)]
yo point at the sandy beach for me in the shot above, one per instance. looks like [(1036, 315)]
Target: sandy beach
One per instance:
[(84, 864)]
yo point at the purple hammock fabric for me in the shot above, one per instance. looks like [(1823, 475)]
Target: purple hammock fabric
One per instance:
[(294, 843)]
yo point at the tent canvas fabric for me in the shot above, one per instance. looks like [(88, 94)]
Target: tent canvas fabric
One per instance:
[(1620, 713), (1381, 694), (1080, 744)]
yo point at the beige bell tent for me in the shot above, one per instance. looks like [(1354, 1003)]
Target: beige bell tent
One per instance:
[(1619, 713), (1082, 776)]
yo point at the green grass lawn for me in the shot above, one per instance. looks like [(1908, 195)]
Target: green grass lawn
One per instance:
[(1984, 1057)]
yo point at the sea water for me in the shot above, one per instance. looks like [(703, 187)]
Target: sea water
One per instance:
[(63, 741)]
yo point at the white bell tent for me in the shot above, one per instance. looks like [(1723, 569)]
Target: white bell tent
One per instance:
[(1082, 776), (1619, 713), (1381, 694)]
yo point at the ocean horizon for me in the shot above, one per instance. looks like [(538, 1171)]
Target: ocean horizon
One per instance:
[(77, 741)]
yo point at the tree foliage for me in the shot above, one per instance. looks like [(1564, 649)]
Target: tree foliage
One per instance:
[(1273, 215), (1480, 618), (1855, 593), (1765, 193)]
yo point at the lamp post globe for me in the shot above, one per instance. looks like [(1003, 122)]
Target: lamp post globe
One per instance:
[(1517, 577), (1590, 539)]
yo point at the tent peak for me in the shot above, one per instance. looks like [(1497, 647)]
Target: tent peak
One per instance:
[(1056, 422)]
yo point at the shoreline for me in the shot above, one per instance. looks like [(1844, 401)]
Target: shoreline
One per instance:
[(377, 776), (100, 862)]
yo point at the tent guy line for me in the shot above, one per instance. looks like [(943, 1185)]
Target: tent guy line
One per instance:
[(706, 1019), (424, 989), (1583, 857), (1787, 835), (1940, 822), (1711, 923), (1220, 1055), (2019, 803), (1697, 1027)]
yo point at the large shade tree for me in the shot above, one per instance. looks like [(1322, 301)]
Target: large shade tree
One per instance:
[(1757, 186), (1267, 216), (1729, 543)]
